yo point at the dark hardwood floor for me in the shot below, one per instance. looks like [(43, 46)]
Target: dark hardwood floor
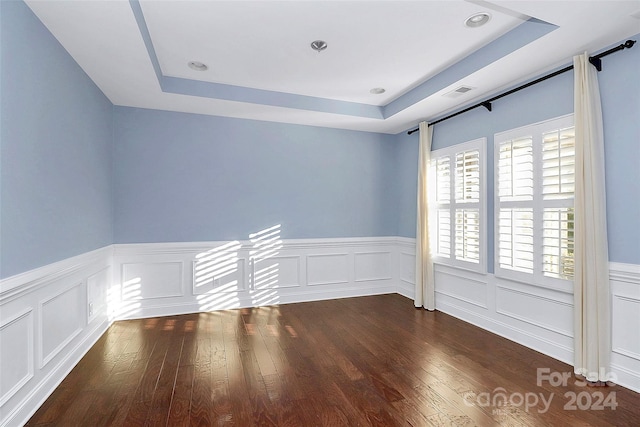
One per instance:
[(370, 361)]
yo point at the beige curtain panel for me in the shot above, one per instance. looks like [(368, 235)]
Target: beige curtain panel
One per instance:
[(592, 312), (425, 289)]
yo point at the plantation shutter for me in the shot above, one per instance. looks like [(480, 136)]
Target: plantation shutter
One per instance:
[(467, 193), (515, 219), (535, 183), (441, 243), (457, 205), (558, 185)]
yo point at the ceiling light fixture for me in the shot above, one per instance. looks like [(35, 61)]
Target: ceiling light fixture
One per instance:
[(198, 66), (319, 45), (477, 20), (377, 90)]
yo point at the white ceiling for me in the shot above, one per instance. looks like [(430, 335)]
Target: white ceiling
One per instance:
[(261, 65)]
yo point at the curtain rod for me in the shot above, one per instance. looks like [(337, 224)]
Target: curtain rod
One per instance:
[(594, 60)]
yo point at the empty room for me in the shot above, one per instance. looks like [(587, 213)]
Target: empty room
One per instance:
[(319, 213)]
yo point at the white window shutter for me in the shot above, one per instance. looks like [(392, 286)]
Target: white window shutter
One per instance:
[(558, 164), (467, 181), (468, 235), (515, 239), (515, 170), (535, 181), (443, 236), (557, 244), (457, 205)]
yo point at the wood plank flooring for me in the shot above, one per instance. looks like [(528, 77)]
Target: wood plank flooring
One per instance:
[(369, 361)]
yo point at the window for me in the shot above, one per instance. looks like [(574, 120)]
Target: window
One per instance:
[(456, 203), (534, 184)]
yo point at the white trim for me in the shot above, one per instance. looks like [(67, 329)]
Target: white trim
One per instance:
[(331, 282), (173, 248), (367, 279), (43, 359), (524, 319), (27, 312), (452, 273), (620, 272), (158, 310), (176, 292), (626, 377), (298, 260), (407, 244), (511, 332), (27, 293), (18, 285), (406, 289), (627, 353), (99, 308)]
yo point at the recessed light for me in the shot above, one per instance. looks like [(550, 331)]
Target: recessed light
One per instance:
[(319, 45), (377, 90), (477, 20), (198, 66)]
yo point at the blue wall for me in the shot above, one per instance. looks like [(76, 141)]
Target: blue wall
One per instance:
[(620, 95), (187, 177), (620, 91), (77, 174), (55, 176)]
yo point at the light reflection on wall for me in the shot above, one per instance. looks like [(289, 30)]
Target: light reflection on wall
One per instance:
[(217, 263), (265, 245), (219, 277), (217, 271), (214, 300), (126, 303)]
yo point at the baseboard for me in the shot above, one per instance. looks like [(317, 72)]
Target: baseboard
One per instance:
[(626, 377), (510, 332), (406, 289), (172, 309)]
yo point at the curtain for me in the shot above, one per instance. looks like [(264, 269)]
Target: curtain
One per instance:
[(592, 313), (425, 290)]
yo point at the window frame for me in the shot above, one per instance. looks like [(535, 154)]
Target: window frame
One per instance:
[(538, 204), (479, 144)]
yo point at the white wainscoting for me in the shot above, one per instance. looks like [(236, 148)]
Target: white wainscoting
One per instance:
[(407, 267), (172, 278), (625, 340), (49, 318), (537, 317)]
